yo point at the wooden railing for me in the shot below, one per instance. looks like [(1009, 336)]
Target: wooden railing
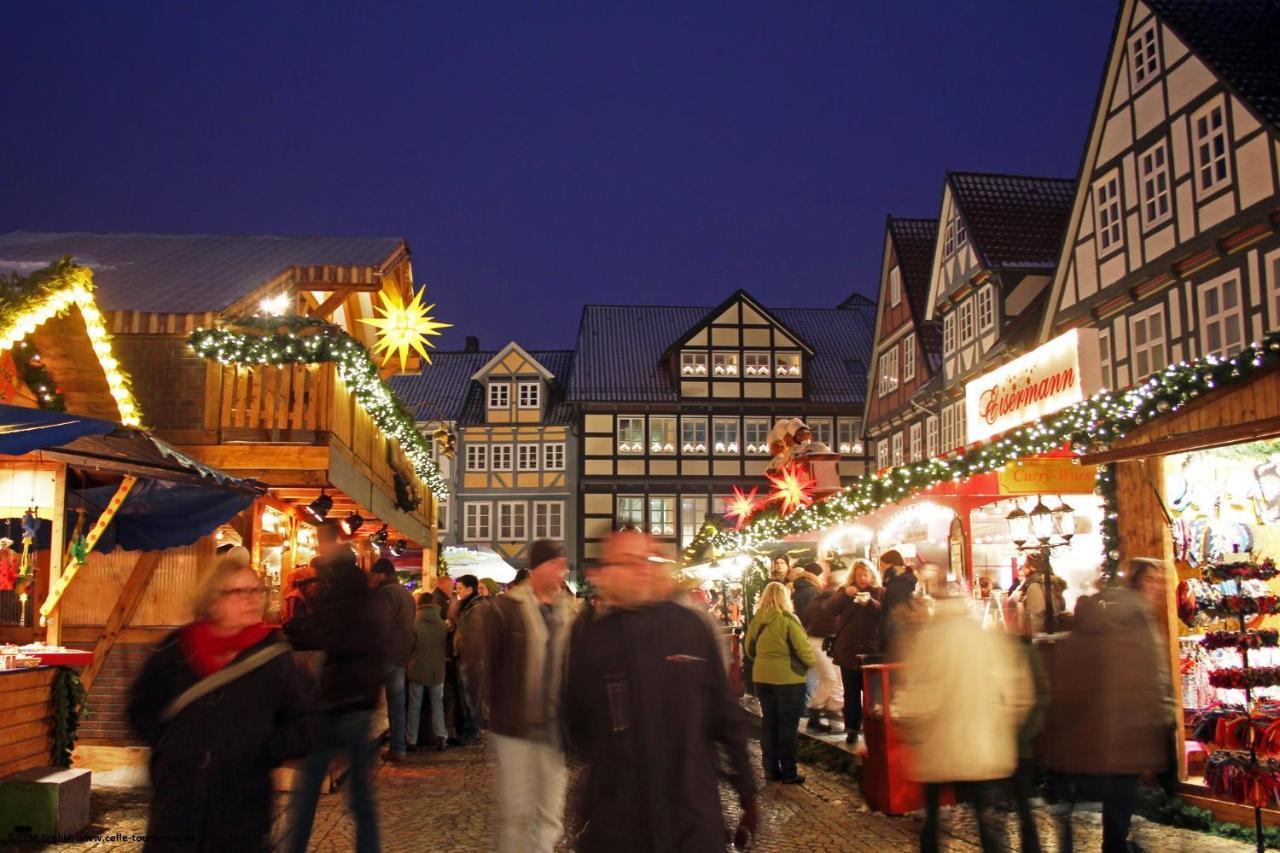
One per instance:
[(267, 404)]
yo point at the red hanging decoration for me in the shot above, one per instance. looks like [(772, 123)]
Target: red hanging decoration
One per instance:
[(741, 506), (792, 488)]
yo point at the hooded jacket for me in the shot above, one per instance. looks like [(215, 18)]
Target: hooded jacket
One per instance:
[(426, 665), (771, 641)]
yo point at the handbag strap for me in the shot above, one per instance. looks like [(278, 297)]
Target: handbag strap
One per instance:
[(222, 677)]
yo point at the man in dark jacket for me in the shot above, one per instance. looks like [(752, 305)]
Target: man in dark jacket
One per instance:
[(397, 603), (468, 646), (808, 584), (350, 627), (899, 589), (646, 705), (827, 701)]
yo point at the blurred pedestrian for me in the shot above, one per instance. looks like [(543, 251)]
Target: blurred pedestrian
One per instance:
[(964, 694), (220, 703), (522, 575), (1111, 703), (426, 674), (443, 596), (398, 605), (826, 703), (350, 627), (805, 585), (899, 589), (489, 587), (781, 656), (468, 646), (856, 608), (648, 708), (526, 634)]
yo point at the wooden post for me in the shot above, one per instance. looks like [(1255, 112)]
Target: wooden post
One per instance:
[(126, 605), (53, 628), (56, 592)]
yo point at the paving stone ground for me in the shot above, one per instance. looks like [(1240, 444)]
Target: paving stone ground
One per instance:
[(442, 801)]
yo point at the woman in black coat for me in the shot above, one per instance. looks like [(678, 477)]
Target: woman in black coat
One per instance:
[(857, 610), (213, 745)]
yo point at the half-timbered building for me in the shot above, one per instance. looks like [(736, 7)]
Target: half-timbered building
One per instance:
[(997, 243), (675, 405), (514, 473), (907, 350), (1172, 249)]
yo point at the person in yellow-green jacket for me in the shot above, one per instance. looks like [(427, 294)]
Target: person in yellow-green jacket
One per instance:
[(781, 656)]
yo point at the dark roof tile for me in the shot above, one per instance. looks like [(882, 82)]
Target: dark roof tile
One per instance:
[(1014, 220), (444, 390)]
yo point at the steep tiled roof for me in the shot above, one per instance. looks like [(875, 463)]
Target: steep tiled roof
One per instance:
[(1239, 39), (620, 349), (1013, 220), (186, 273), (913, 243), (930, 332), (444, 390)]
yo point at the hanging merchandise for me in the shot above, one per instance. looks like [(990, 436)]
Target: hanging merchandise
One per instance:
[(30, 526), (1266, 638), (8, 565)]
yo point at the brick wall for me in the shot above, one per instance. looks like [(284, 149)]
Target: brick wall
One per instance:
[(107, 720), (169, 379)]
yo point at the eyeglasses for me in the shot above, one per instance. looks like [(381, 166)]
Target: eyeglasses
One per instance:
[(243, 592)]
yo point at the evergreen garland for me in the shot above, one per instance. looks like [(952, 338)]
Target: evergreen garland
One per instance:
[(70, 706)]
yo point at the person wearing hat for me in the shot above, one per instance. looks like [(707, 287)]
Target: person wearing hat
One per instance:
[(526, 634), (397, 602)]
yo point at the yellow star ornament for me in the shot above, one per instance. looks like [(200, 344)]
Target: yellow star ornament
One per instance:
[(403, 327)]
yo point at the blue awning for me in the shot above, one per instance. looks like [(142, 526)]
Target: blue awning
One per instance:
[(157, 514), (24, 430)]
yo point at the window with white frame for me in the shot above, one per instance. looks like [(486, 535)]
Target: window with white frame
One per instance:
[(966, 321), (500, 457), (1273, 289), (662, 435), (931, 436), (693, 513), (530, 396), (787, 364), (725, 436), (513, 521), (1153, 177), (888, 371), (909, 358), (630, 510), (949, 333), (948, 429), (954, 237), (553, 456), (631, 434), (724, 364), (693, 436), (1221, 316), (895, 286), (1144, 56), (477, 457), (755, 436), (477, 521), (1104, 357), (958, 424), (986, 308), (882, 453), (1106, 212), (499, 395), (527, 457), (849, 435), (821, 429), (757, 364), (917, 441), (548, 519), (1209, 132), (693, 363), (1147, 337), (662, 515), (897, 449), (442, 516)]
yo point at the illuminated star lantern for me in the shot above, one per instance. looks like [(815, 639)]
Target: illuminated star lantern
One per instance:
[(404, 327), (792, 488), (741, 506)]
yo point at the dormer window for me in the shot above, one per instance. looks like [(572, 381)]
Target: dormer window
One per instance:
[(530, 395), (787, 364), (954, 238), (724, 364), (757, 364), (631, 435), (693, 363), (499, 395)]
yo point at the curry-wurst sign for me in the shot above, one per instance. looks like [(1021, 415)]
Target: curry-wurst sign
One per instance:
[(1050, 378)]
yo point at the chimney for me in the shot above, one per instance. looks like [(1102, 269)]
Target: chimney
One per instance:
[(472, 344)]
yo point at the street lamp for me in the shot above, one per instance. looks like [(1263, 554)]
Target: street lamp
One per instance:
[(1041, 522), (1019, 526), (1064, 520)]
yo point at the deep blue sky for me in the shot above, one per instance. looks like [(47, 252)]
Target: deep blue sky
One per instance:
[(542, 155)]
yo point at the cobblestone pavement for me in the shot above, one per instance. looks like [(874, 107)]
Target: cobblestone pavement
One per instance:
[(439, 801)]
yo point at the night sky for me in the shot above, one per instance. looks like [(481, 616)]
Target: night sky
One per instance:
[(541, 155)]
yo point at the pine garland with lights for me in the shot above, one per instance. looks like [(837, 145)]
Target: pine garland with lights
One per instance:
[(328, 344), (1086, 426), (70, 706), (36, 376)]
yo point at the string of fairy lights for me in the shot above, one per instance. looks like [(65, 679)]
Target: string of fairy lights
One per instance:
[(329, 344), (1088, 425)]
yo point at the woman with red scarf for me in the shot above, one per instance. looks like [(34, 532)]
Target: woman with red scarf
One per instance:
[(220, 703)]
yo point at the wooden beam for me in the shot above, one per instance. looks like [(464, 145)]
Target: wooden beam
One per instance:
[(1198, 440), (126, 605), (53, 626), (57, 591), (262, 457), (332, 301)]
